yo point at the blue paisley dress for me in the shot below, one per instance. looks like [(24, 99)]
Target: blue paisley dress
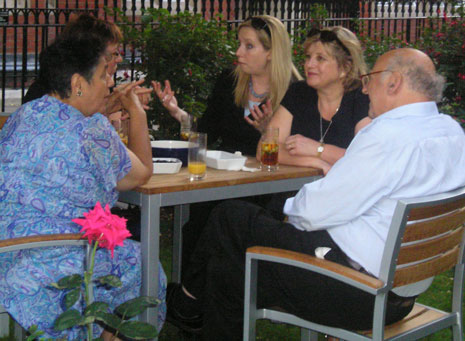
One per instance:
[(55, 164)]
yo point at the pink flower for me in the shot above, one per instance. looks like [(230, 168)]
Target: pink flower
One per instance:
[(102, 226)]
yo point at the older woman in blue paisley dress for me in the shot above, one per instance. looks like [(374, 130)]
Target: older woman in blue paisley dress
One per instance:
[(58, 157)]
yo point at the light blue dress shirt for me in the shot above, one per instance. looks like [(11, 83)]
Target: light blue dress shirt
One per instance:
[(407, 152)]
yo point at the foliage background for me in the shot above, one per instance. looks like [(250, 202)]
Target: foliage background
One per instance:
[(186, 49), (191, 52)]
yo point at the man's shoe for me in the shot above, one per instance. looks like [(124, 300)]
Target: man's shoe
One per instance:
[(190, 324)]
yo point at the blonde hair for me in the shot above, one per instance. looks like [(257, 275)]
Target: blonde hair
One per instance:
[(353, 64), (282, 68)]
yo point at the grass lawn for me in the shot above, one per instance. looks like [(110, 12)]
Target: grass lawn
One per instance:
[(438, 296)]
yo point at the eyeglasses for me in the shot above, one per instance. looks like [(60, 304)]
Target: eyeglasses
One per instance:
[(259, 24), (366, 77), (327, 36)]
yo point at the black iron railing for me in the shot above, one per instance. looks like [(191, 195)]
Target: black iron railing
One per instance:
[(27, 26)]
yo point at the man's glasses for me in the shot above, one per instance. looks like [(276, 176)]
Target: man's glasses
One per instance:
[(327, 36), (366, 77), (259, 24)]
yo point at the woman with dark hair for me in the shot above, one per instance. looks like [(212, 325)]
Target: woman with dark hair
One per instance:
[(59, 157), (86, 25)]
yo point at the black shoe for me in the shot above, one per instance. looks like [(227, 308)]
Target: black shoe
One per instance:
[(190, 324)]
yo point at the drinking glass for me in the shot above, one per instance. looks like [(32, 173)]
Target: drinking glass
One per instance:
[(269, 149), (187, 126), (122, 128), (197, 156)]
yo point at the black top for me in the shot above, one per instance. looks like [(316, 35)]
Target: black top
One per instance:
[(224, 120), (301, 101), (36, 90)]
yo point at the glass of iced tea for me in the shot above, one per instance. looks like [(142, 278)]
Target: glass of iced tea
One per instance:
[(269, 149), (187, 126), (197, 156)]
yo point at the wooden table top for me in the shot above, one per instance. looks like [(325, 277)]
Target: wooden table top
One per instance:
[(166, 183)]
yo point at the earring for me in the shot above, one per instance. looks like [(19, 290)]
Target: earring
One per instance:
[(79, 93)]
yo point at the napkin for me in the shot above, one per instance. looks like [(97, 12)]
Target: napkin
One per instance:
[(248, 169)]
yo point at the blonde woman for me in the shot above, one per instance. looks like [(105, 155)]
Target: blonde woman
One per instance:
[(264, 71), (319, 117)]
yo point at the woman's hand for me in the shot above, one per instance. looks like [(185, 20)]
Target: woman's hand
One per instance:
[(168, 100), (261, 115), (129, 97), (145, 96), (300, 145), (114, 99)]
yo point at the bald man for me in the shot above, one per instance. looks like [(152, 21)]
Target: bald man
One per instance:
[(408, 150)]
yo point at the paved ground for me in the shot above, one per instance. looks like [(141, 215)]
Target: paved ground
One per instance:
[(13, 100)]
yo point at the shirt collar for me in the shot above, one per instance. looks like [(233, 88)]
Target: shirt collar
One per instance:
[(414, 109)]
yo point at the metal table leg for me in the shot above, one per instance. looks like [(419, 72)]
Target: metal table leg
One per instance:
[(150, 244), (181, 215)]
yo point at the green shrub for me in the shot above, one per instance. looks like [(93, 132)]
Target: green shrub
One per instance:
[(185, 49), (446, 46)]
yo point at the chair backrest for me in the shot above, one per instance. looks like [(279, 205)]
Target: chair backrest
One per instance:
[(45, 240), (2, 120), (426, 238)]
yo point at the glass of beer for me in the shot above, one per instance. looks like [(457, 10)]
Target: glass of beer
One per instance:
[(269, 149), (197, 155)]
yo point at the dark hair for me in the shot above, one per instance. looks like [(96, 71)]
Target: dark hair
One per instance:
[(67, 56), (86, 24)]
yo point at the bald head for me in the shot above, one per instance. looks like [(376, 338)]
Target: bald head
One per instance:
[(418, 70)]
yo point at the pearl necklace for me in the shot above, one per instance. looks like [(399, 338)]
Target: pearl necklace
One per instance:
[(254, 93), (322, 136)]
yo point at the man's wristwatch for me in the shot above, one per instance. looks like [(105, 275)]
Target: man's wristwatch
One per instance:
[(320, 149)]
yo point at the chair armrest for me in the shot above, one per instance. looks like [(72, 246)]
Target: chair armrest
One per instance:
[(322, 266), (42, 240)]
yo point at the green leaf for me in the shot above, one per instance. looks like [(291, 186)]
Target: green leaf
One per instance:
[(110, 320), (87, 320), (110, 280), (68, 282), (95, 307), (71, 297), (138, 330), (34, 333), (68, 319), (136, 306)]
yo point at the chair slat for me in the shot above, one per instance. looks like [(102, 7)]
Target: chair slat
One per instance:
[(431, 211), (421, 271), (429, 248), (430, 228), (40, 238), (419, 316)]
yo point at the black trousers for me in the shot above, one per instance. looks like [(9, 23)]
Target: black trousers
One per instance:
[(199, 213), (215, 275)]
